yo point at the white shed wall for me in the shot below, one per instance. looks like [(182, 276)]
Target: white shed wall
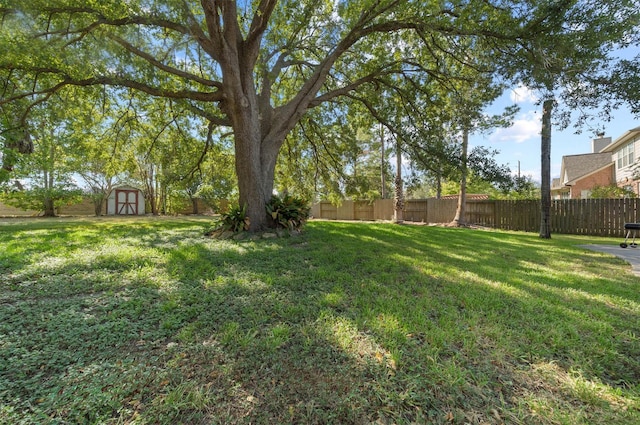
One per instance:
[(111, 200)]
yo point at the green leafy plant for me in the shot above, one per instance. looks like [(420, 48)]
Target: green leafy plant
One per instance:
[(37, 197), (235, 219), (289, 212), (611, 191)]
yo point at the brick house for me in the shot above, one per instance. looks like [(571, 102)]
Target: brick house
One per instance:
[(610, 162), (623, 156), (581, 173)]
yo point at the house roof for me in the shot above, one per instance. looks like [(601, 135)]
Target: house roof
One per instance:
[(575, 167), (556, 184), (627, 136)]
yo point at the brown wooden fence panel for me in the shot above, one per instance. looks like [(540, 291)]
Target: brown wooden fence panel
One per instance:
[(328, 211), (363, 210), (415, 210), (85, 207), (9, 211), (441, 210), (345, 211), (383, 209), (481, 212), (595, 217)]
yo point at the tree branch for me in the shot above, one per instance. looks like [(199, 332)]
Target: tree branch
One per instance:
[(209, 116), (169, 69), (259, 24), (113, 81), (103, 20)]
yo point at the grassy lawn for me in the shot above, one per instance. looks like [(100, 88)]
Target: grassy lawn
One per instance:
[(146, 321)]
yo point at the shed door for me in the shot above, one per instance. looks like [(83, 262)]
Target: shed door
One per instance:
[(126, 202)]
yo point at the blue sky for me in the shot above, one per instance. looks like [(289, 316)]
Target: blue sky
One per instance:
[(521, 141)]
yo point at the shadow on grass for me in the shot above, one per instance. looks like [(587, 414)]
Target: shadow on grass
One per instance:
[(349, 323)]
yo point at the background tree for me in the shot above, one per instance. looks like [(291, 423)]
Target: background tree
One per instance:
[(473, 94), (212, 181), (98, 154), (47, 171), (611, 191), (623, 86), (15, 140), (335, 152), (568, 59)]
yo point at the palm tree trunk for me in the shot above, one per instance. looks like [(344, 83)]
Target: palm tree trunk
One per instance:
[(545, 170), (398, 201)]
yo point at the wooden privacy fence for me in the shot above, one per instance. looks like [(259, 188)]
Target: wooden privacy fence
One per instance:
[(596, 217), (86, 208)]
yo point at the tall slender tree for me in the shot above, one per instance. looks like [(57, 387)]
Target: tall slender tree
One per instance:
[(566, 60)]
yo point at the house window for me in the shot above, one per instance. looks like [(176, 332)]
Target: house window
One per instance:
[(625, 156)]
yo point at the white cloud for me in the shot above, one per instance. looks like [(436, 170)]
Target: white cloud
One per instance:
[(525, 127), (522, 94)]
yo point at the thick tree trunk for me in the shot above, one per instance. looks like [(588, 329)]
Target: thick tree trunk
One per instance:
[(194, 206), (259, 129), (256, 157), (49, 208), (460, 219), (545, 170), (98, 201), (255, 184)]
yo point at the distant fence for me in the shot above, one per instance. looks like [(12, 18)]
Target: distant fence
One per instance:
[(596, 217), (86, 208)]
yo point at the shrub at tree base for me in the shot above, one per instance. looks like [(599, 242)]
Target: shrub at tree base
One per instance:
[(289, 212), (235, 220)]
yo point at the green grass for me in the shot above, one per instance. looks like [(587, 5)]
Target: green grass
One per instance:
[(146, 321)]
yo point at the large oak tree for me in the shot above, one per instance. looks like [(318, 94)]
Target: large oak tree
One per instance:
[(256, 67)]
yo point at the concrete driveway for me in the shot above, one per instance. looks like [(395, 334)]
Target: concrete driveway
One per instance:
[(630, 255)]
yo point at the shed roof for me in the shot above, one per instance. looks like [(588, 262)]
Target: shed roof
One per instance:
[(126, 187)]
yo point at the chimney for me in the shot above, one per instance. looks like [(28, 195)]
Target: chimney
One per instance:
[(600, 143)]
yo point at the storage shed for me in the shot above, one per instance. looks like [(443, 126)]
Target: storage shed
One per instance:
[(125, 200)]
